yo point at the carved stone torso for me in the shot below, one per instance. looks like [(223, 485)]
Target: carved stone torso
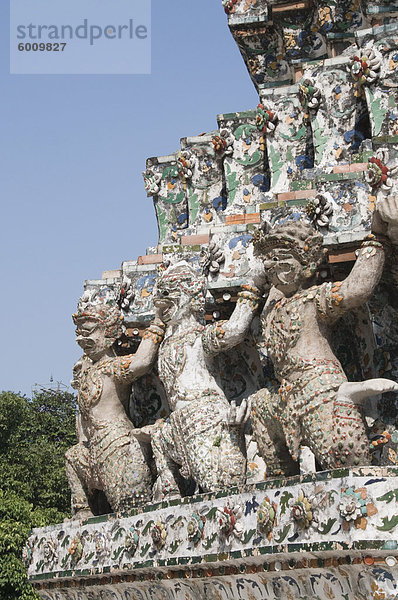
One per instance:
[(183, 369), (283, 326), (296, 330), (172, 357), (91, 386), (109, 375)]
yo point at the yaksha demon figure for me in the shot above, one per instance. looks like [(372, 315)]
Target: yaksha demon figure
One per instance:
[(108, 456), (315, 405), (204, 434)]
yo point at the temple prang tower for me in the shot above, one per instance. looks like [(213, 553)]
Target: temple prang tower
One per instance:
[(320, 148)]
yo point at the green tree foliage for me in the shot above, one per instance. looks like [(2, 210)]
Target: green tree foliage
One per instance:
[(34, 435)]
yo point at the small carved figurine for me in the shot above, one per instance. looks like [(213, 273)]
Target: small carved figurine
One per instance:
[(314, 405), (203, 435), (108, 457)]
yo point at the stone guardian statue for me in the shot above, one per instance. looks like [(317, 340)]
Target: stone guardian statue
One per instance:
[(203, 437), (314, 405), (108, 457)]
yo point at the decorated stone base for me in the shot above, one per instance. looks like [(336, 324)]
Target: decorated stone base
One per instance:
[(331, 535)]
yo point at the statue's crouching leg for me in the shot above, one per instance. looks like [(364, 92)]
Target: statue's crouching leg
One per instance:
[(163, 450), (78, 471), (269, 434), (230, 455), (214, 446), (125, 475), (335, 432), (199, 441)]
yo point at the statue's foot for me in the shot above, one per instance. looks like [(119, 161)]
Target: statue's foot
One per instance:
[(164, 491), (238, 415), (143, 434), (81, 515), (360, 390)]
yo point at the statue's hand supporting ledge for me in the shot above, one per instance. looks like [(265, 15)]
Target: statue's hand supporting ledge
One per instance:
[(385, 218)]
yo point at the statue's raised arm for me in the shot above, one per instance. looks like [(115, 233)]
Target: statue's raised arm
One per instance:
[(358, 287), (223, 335)]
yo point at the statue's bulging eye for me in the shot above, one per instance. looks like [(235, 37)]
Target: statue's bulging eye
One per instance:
[(165, 293)]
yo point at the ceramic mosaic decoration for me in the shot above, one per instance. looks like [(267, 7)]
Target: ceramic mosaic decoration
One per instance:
[(238, 422)]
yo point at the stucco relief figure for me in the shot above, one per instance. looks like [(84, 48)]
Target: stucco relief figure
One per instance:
[(108, 456), (314, 405), (203, 437)]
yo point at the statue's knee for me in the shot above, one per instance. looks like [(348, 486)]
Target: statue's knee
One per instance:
[(72, 454), (77, 457)]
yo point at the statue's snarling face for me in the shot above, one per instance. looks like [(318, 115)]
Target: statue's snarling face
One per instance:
[(173, 303), (90, 335), (291, 253), (97, 328), (179, 293), (283, 270)]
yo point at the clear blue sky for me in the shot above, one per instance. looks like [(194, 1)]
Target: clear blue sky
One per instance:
[(72, 152)]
